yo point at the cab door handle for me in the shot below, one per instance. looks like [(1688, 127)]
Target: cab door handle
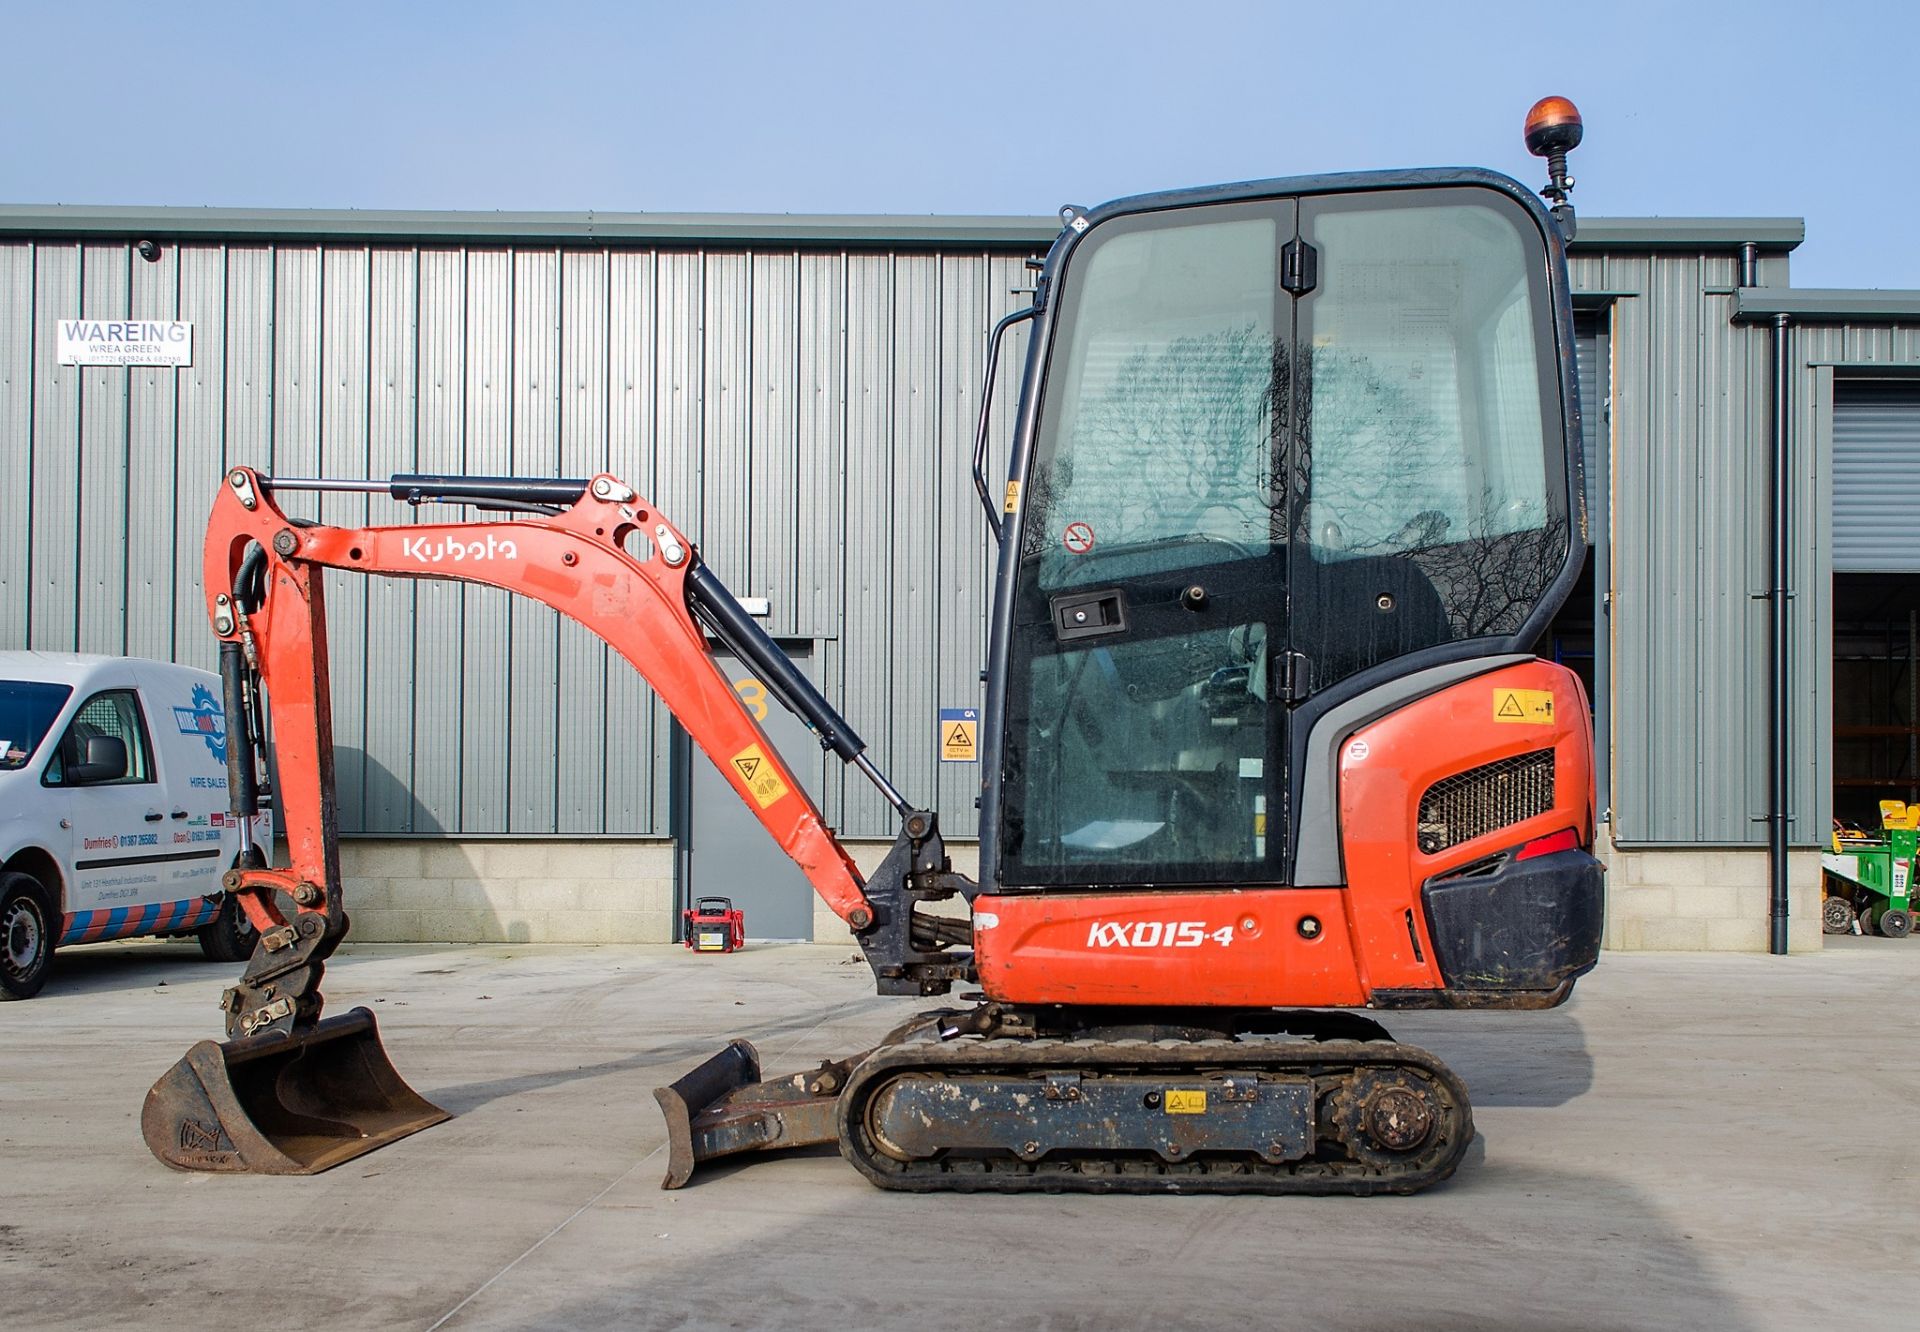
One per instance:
[(179, 813), (1089, 614), (154, 816)]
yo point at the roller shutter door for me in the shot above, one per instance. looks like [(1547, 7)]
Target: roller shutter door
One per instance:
[(1593, 360), (1876, 477)]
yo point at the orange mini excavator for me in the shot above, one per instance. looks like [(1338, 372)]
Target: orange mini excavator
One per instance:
[(1294, 488)]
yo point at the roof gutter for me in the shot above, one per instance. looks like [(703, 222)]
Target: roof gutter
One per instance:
[(1023, 234), (591, 228), (1813, 305)]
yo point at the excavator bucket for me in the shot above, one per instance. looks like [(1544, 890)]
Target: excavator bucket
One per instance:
[(283, 1105), (722, 1107)]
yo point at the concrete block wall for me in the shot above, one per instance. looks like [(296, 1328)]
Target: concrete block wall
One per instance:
[(620, 890), (587, 890), (1706, 900)]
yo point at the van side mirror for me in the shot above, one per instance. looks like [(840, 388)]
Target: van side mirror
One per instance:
[(106, 761)]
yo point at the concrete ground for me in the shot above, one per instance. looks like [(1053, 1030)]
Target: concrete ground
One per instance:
[(1698, 1141)]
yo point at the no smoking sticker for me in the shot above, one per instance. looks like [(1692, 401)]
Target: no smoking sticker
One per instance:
[(1078, 538)]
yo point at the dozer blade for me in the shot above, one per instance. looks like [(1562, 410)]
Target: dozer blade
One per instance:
[(722, 1107), (283, 1105)]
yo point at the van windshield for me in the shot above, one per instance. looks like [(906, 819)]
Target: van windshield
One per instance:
[(27, 712)]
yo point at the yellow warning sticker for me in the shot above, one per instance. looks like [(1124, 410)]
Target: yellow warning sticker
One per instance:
[(1530, 706), (1013, 496), (762, 778), (959, 735), (1186, 1102)]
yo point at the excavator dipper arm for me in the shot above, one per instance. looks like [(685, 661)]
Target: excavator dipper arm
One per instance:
[(289, 1093)]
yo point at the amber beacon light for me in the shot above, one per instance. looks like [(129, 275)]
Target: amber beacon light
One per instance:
[(1553, 126), (1553, 130)]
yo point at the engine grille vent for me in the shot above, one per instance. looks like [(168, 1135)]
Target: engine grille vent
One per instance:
[(1494, 795)]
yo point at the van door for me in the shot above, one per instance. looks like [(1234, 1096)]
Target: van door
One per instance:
[(122, 857), (190, 744)]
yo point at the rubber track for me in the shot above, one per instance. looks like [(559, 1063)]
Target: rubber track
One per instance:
[(1331, 1170)]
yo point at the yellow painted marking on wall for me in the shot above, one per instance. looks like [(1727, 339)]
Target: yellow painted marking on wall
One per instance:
[(1013, 497), (1532, 707), (762, 778), (754, 695), (1186, 1102)]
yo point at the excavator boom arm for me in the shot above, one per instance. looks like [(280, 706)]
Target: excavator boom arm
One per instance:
[(580, 561)]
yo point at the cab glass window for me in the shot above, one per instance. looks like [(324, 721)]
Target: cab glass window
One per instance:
[(1430, 458), (1156, 450), (113, 715)]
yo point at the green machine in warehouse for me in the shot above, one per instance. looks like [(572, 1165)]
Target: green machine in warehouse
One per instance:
[(1868, 877)]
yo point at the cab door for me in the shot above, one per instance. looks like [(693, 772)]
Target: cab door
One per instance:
[(1145, 735)]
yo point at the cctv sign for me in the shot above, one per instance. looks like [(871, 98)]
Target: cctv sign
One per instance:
[(125, 342)]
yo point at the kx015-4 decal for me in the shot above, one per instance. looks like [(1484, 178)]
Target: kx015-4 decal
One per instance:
[(1155, 934)]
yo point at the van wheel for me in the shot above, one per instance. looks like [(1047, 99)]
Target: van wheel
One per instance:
[(229, 936), (26, 941)]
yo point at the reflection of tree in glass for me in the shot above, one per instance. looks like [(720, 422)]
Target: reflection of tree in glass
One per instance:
[(1489, 580), (1400, 488), (1039, 502), (1177, 438), (1387, 461)]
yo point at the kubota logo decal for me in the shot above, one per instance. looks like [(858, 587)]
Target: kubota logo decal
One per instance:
[(1155, 934), (439, 552)]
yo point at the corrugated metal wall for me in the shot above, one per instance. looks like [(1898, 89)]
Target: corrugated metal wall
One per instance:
[(805, 414), (1690, 510)]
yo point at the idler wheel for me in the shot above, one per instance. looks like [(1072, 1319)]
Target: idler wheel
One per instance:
[(1382, 1117)]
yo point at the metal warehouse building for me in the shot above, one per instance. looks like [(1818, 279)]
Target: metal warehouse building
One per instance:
[(799, 394)]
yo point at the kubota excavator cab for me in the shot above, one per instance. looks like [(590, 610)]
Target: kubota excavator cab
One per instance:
[(1292, 455)]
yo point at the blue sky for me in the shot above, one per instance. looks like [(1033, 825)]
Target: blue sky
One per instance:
[(1754, 109)]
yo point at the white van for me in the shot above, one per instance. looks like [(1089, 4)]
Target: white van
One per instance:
[(113, 810)]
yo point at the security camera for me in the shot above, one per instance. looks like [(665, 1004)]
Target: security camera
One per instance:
[(149, 250)]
